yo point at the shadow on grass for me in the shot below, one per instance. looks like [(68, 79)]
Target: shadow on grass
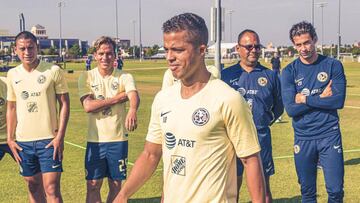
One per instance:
[(145, 200), (294, 199), (352, 161)]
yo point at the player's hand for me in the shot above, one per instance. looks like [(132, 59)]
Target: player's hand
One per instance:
[(300, 98), (58, 144), (131, 120), (327, 91), (14, 147)]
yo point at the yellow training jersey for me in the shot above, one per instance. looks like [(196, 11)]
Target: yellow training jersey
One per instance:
[(169, 79), (35, 96), (3, 110), (200, 138), (108, 124)]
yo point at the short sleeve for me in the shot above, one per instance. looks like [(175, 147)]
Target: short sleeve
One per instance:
[(240, 126), (84, 85), (60, 81), (11, 96), (155, 133)]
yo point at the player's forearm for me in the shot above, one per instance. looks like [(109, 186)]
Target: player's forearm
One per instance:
[(64, 103), (144, 167), (134, 100), (92, 105), (11, 120), (254, 177)]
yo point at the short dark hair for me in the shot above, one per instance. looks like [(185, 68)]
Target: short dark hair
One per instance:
[(104, 40), (303, 28), (26, 35), (192, 23), (248, 31)]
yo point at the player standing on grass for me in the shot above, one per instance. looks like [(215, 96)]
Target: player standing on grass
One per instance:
[(260, 87), (313, 89), (4, 148), (103, 92), (34, 88), (198, 132)]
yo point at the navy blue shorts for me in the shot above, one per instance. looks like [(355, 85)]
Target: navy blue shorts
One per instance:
[(107, 159), (4, 148), (264, 136), (35, 158)]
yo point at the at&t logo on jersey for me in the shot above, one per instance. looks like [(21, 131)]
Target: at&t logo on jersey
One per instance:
[(242, 91), (305, 92), (200, 117), (322, 76), (24, 95), (178, 165), (41, 79), (170, 140), (262, 81)]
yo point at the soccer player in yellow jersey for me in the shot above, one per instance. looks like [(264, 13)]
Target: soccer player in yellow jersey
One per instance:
[(4, 148), (35, 133), (198, 126), (103, 92)]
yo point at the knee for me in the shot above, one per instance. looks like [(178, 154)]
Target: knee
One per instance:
[(336, 197), (52, 190), (93, 185), (34, 185)]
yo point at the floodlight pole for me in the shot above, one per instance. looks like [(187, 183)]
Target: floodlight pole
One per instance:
[(322, 5), (134, 22), (218, 35), (339, 35), (60, 4), (140, 43), (312, 11), (230, 12), (117, 28)]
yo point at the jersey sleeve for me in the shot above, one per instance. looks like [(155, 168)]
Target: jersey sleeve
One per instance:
[(10, 96), (240, 126), (168, 79), (84, 85), (288, 93), (155, 133), (129, 83), (60, 81), (338, 87)]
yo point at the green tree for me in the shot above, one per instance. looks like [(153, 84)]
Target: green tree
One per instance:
[(74, 51), (91, 50)]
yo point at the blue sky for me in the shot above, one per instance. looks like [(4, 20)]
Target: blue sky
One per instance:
[(89, 19)]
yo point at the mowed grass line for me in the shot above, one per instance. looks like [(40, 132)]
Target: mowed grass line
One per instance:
[(284, 183)]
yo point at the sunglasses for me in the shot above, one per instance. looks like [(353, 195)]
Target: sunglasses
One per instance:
[(250, 47)]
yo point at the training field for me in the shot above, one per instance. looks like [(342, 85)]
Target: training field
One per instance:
[(148, 75)]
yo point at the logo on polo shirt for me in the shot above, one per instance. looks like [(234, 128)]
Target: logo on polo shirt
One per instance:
[(24, 95), (305, 92), (262, 81), (242, 91), (322, 76), (200, 116), (170, 140), (178, 165), (114, 85), (41, 79), (32, 107)]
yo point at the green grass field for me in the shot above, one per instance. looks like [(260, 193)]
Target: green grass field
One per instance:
[(148, 75)]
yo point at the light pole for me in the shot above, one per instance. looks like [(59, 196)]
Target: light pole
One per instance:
[(230, 12), (322, 5), (312, 12), (140, 42), (134, 23), (117, 27), (60, 4), (339, 35)]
